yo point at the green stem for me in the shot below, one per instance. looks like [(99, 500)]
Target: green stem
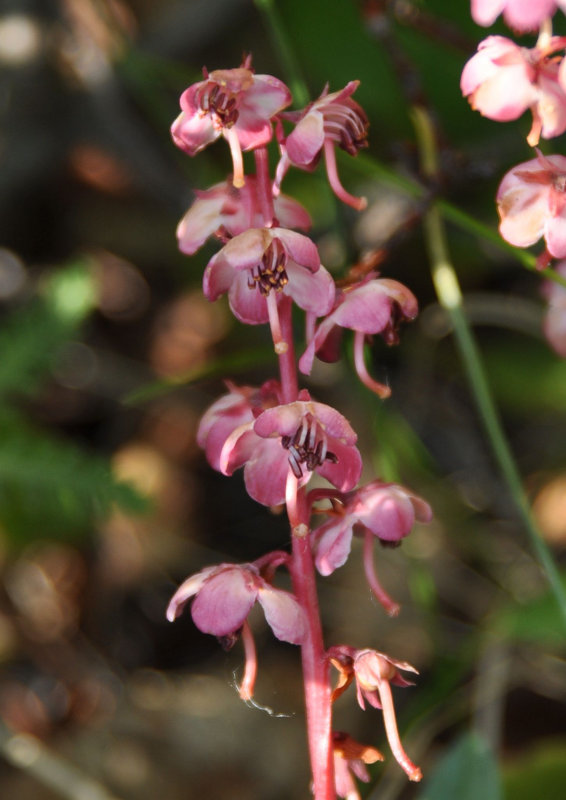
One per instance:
[(450, 297), (297, 84)]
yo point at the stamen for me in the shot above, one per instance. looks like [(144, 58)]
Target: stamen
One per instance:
[(308, 446)]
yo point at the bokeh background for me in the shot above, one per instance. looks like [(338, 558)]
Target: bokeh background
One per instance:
[(109, 354)]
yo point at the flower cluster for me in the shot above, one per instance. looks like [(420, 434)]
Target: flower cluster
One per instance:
[(277, 433), (502, 81)]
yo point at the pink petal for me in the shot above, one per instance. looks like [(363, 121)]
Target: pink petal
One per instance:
[(290, 213), (267, 96), (187, 590), (193, 133), (224, 601), (485, 12), (306, 140), (527, 15), (389, 515), (346, 472), (252, 132), (201, 220), (300, 248), (218, 277), (334, 545), (555, 234), (311, 292), (551, 105), (247, 304), (283, 614), (266, 471), (246, 250)]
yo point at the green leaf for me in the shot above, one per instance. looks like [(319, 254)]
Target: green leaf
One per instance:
[(468, 771), (537, 621), (541, 773), (49, 487)]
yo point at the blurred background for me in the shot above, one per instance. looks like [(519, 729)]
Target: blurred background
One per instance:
[(109, 355)]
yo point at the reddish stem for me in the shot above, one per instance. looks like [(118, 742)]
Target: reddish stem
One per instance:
[(264, 186), (287, 365), (316, 668)]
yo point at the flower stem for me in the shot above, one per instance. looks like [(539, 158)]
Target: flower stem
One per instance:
[(316, 669), (450, 297)]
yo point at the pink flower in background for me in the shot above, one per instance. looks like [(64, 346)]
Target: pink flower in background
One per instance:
[(374, 305), (388, 511), (233, 103), (350, 759), (522, 15), (264, 260), (554, 324), (225, 211), (333, 119), (224, 596), (238, 408), (503, 80), (531, 202)]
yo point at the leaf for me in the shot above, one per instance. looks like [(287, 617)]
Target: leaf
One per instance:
[(537, 621), (541, 773), (49, 487), (31, 337), (468, 771)]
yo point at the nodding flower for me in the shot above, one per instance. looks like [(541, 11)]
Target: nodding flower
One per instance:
[(224, 596), (331, 120), (373, 305), (374, 673), (233, 103)]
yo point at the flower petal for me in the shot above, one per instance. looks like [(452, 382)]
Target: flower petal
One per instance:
[(305, 142), (187, 590), (224, 601), (311, 291), (283, 614), (334, 545)]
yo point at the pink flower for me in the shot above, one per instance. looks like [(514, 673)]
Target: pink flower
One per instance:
[(350, 759), (522, 15), (233, 103), (297, 438), (225, 212), (532, 203), (333, 119), (503, 80), (374, 305), (261, 262), (388, 511), (374, 673), (224, 596), (554, 324), (238, 408)]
